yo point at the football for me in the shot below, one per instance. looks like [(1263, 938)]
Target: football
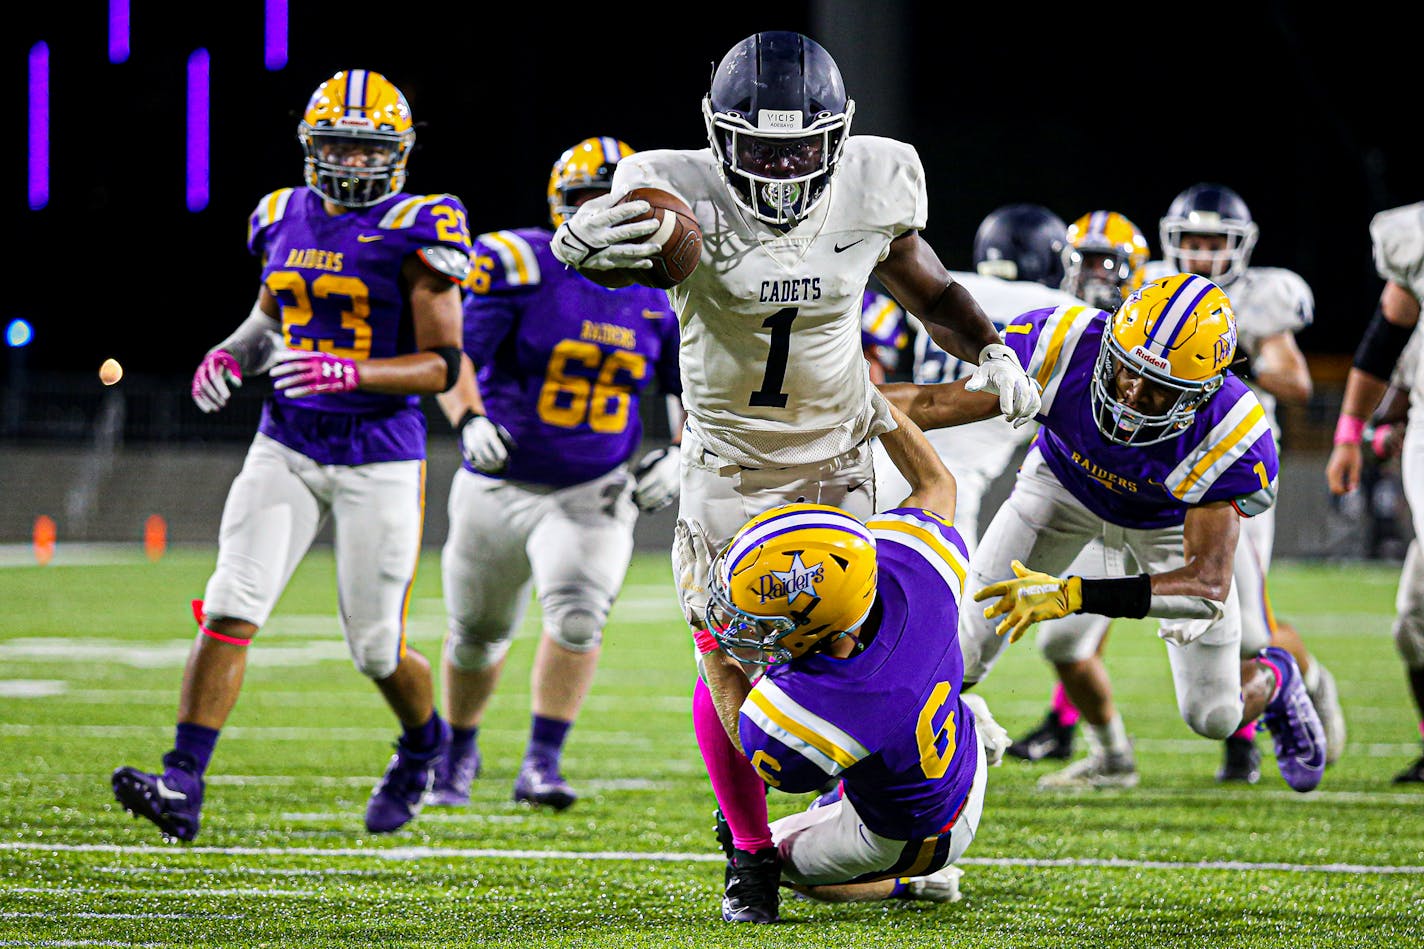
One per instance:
[(679, 236)]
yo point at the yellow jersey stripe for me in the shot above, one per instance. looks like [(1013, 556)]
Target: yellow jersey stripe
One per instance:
[(521, 267), (927, 537), (1055, 345), (1257, 414), (882, 317), (1024, 328), (826, 747)]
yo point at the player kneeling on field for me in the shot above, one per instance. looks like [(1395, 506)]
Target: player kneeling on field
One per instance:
[(858, 685)]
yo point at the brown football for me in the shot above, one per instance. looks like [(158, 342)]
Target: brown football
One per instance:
[(679, 236)]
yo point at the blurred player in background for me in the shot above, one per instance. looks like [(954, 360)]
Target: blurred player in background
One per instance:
[(883, 334), (1150, 445), (357, 316), (546, 496), (796, 215), (1398, 240), (862, 683), (1208, 231)]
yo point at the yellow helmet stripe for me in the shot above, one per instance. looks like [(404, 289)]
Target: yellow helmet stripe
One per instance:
[(1228, 441), (521, 266), (801, 730), (927, 544), (1177, 314)]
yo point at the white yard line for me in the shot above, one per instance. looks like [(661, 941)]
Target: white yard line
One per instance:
[(469, 853)]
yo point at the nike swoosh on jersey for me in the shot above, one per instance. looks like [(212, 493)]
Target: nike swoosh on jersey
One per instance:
[(368, 238), (840, 250), (168, 794)]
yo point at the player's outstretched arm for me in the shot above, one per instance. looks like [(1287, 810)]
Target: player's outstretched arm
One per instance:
[(484, 443), (248, 351), (931, 485), (1198, 588), (940, 404)]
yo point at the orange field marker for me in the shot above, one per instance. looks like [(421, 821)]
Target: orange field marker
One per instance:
[(155, 536), (45, 533)]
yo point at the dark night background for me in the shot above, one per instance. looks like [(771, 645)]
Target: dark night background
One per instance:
[(1306, 114)]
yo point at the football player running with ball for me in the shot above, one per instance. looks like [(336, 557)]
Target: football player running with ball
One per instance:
[(795, 214), (1150, 446), (854, 622), (357, 316), (546, 496)]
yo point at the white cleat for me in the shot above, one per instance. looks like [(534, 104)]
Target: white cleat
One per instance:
[(1101, 769), (1326, 699), (942, 886)]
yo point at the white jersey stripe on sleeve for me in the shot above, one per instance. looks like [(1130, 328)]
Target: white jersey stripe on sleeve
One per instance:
[(827, 746), (403, 213), (1218, 449), (1053, 351), (521, 265)]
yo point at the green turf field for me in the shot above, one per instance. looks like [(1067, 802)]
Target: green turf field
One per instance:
[(91, 658)]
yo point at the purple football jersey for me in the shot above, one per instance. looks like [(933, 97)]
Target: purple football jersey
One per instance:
[(338, 279), (1226, 454), (887, 720), (562, 361), (883, 330)]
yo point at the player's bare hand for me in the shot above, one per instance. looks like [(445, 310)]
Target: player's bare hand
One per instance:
[(999, 372), (1342, 471), (599, 236), (218, 374), (1031, 597)]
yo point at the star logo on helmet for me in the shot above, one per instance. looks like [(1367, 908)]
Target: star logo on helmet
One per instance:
[(800, 580)]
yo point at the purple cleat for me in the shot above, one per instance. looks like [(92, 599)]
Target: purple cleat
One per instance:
[(173, 800), (1295, 726), (540, 783), (455, 771), (398, 796)]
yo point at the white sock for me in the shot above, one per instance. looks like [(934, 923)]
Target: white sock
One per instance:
[(1311, 676), (1112, 736)]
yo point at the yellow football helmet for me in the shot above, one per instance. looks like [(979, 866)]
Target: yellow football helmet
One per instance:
[(356, 133), (1104, 258), (793, 578), (1164, 354), (588, 166)]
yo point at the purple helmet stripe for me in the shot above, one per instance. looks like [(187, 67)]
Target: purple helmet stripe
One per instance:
[(790, 521), (1181, 324), (1169, 315), (356, 90), (1098, 223), (610, 149)]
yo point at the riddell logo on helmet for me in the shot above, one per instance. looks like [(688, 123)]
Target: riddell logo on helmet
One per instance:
[(779, 120), (1152, 359), (355, 122)]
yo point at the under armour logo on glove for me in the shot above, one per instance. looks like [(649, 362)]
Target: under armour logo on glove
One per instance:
[(300, 373)]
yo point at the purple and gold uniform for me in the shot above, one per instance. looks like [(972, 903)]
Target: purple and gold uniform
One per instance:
[(1227, 454), (338, 279), (888, 720), (883, 331), (562, 361)]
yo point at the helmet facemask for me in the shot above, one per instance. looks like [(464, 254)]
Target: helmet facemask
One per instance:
[(355, 167), (778, 170), (1223, 266), (1100, 277), (1125, 425)]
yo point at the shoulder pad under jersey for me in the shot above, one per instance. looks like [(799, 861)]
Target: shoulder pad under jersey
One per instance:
[(428, 219), (1275, 300), (1258, 502), (449, 262), (1398, 236), (268, 212)]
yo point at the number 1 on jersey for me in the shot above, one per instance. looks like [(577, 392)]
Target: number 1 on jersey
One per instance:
[(770, 393)]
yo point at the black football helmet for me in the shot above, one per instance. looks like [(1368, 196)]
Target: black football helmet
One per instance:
[(1021, 242), (1209, 209), (777, 119)]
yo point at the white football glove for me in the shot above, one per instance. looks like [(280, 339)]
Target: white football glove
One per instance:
[(1000, 373), (658, 477), (596, 238), (692, 564), (485, 444), (992, 735)]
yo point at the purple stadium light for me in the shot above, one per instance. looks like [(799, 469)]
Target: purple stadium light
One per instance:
[(39, 126), (118, 31), (197, 166), (274, 35)]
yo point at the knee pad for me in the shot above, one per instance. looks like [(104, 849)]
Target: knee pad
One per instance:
[(575, 629), (1070, 639), (1216, 720), (375, 657), (470, 650)]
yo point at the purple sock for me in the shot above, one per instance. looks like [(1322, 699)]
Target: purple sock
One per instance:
[(462, 739), (195, 743), (546, 737), (422, 739)]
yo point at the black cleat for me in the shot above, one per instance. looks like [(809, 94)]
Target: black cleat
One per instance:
[(1241, 761), (1414, 774), (1051, 739), (753, 881)]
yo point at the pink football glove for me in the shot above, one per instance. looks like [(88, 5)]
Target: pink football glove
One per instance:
[(218, 374), (301, 373)]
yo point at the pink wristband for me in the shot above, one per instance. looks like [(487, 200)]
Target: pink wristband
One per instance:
[(704, 641), (1380, 437), (1349, 430)]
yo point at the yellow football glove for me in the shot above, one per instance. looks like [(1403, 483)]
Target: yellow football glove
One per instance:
[(1031, 598)]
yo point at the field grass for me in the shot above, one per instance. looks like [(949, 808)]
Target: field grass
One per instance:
[(91, 657)]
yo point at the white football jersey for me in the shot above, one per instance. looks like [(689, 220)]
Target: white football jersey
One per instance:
[(772, 366), (1398, 239), (1267, 301)]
